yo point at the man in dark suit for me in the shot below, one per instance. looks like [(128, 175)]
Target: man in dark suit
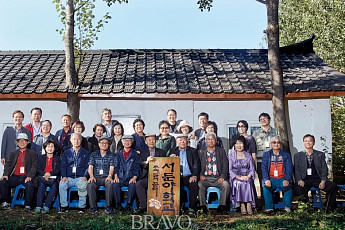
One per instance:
[(203, 119), (8, 144), (214, 172), (20, 168), (311, 171), (146, 156), (190, 169)]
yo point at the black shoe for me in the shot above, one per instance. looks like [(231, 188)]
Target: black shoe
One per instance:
[(108, 210), (81, 210), (128, 210), (204, 209), (220, 209), (93, 210), (64, 210), (140, 211)]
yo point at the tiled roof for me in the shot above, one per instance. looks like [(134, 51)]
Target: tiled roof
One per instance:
[(230, 71)]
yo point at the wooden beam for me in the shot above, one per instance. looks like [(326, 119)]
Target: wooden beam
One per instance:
[(309, 95), (34, 96)]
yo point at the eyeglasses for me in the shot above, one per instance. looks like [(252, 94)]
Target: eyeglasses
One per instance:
[(240, 126), (263, 119), (164, 128), (276, 142)]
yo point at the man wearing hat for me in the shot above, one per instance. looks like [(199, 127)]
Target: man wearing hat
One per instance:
[(190, 169), (74, 172), (101, 170), (126, 172), (145, 157), (19, 169)]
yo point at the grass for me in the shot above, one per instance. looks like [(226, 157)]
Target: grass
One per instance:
[(304, 218)]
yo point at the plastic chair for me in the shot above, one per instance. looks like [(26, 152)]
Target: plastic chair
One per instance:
[(184, 188), (72, 203), (215, 203), (341, 203), (316, 197), (18, 198), (101, 203), (56, 204), (134, 205), (280, 204)]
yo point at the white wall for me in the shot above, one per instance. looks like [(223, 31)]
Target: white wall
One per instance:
[(306, 116)]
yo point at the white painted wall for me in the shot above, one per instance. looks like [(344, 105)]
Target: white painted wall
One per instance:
[(306, 116)]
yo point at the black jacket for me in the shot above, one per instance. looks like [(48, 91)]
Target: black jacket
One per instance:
[(41, 165), (143, 157), (192, 159)]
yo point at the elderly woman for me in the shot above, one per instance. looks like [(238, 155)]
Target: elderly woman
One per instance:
[(98, 130), (139, 135), (241, 171), (77, 127), (164, 140), (48, 171), (117, 132), (242, 128), (185, 128), (211, 126)]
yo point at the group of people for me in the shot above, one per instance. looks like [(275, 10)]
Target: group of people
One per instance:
[(36, 158)]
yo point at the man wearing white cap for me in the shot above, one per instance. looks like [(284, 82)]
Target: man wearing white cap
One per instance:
[(19, 169)]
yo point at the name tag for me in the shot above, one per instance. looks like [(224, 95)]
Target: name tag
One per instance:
[(275, 173), (309, 171), (101, 172), (267, 144), (74, 169), (22, 169)]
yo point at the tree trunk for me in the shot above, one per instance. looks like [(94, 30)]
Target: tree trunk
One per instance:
[(73, 102), (276, 71)]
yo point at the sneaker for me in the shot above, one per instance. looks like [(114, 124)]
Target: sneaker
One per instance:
[(64, 210), (268, 211), (5, 206), (190, 212), (287, 210), (81, 210), (108, 210), (38, 210), (27, 208), (93, 210), (45, 210)]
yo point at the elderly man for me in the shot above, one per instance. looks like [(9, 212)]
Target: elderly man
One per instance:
[(101, 170), (190, 169), (262, 138), (145, 157), (214, 172), (20, 168), (8, 144), (311, 171), (107, 121), (276, 173), (35, 125), (127, 170), (74, 172)]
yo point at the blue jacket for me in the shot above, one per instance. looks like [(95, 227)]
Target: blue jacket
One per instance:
[(126, 169), (67, 163), (287, 165)]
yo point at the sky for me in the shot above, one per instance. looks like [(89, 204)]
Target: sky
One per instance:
[(140, 24)]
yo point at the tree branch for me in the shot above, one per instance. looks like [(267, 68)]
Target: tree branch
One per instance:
[(81, 5), (261, 1)]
